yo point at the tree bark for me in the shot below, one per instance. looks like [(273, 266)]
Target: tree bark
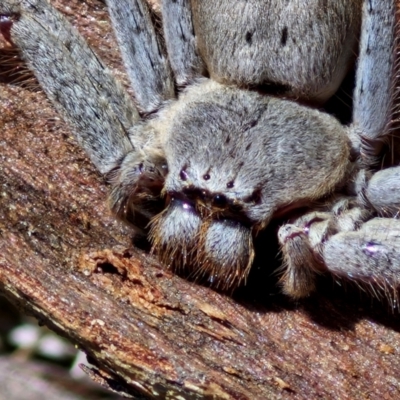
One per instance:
[(148, 332)]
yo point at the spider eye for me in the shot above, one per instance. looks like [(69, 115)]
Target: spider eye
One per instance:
[(183, 175), (219, 201)]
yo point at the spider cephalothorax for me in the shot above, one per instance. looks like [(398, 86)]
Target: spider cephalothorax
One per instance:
[(223, 136), (228, 181)]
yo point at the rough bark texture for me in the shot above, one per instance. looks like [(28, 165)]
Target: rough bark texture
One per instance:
[(64, 259)]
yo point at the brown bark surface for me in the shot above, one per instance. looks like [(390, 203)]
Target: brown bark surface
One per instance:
[(68, 262)]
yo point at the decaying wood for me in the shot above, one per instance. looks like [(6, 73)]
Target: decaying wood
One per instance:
[(65, 260)]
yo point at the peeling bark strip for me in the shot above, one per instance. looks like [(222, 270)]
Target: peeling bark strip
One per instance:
[(147, 331)]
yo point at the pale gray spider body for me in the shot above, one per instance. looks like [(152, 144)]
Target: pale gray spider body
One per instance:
[(224, 134)]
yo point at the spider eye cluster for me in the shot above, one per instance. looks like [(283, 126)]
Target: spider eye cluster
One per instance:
[(212, 201), (214, 205)]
